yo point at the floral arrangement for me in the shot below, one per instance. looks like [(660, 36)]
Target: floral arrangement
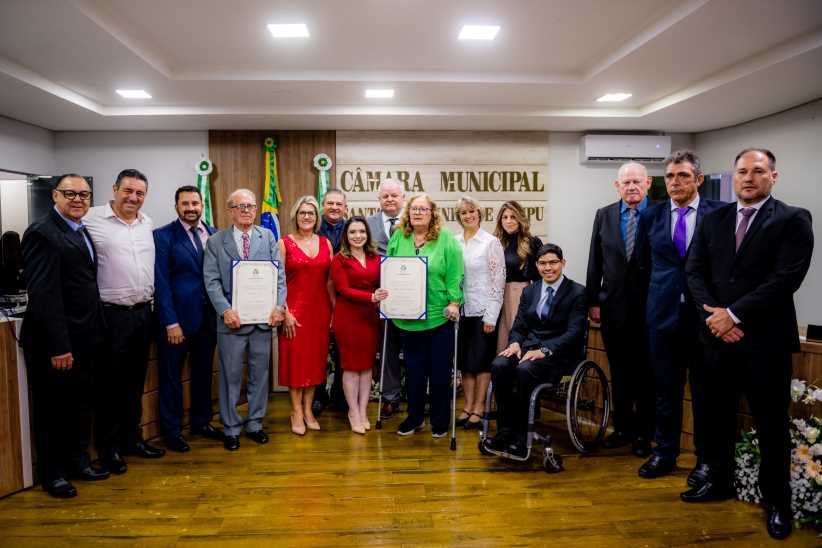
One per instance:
[(806, 460)]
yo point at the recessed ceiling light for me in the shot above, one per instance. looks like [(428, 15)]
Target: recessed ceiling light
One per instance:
[(613, 97), (379, 93), (478, 32), (134, 93), (295, 30)]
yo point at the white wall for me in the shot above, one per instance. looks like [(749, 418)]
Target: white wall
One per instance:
[(795, 137), (167, 158), (26, 148), (13, 194), (576, 191)]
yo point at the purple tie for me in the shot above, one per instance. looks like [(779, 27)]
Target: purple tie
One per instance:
[(743, 225), (681, 231)]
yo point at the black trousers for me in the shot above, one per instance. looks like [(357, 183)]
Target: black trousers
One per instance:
[(199, 347), (513, 383), (764, 375), (632, 380), (673, 354), (61, 411), (429, 361), (121, 377)]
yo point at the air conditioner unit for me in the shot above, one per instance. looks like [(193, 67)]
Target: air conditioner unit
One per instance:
[(622, 148)]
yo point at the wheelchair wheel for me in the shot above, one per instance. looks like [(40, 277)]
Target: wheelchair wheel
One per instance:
[(482, 448), (587, 406), (551, 462)]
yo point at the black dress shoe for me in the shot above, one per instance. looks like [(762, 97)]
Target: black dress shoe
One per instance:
[(317, 408), (60, 488), (209, 432), (259, 436), (518, 449), (144, 450), (231, 443), (115, 463), (641, 447), (177, 443), (616, 439), (779, 523), (699, 474), (656, 466), (708, 491), (89, 473)]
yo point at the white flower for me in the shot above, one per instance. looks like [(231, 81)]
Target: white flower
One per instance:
[(816, 449), (812, 434), (797, 389), (817, 394), (800, 424)]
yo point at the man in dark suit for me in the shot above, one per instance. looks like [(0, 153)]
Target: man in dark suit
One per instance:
[(748, 259), (665, 233), (616, 301), (546, 341), (382, 225), (186, 320), (62, 336)]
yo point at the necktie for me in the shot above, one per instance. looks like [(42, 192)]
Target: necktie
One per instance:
[(86, 237), (630, 233), (198, 243), (393, 222), (545, 303), (245, 245), (681, 231), (746, 212)]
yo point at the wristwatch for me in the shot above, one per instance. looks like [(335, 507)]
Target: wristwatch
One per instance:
[(545, 350)]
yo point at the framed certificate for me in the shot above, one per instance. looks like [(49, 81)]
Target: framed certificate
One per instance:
[(406, 279), (254, 290)]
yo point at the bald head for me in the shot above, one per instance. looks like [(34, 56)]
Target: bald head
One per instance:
[(632, 183)]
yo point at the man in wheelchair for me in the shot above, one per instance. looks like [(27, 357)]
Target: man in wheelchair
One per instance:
[(544, 344)]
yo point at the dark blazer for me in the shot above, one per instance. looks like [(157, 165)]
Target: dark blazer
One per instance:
[(179, 290), (758, 281), (64, 313), (662, 266), (612, 282), (563, 332)]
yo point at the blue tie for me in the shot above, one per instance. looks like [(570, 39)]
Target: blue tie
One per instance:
[(545, 305)]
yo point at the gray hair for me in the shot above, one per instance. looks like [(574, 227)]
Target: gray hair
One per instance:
[(241, 191), (628, 165), (391, 183), (335, 191), (685, 155)]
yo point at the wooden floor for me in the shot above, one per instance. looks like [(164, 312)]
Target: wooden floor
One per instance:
[(335, 488)]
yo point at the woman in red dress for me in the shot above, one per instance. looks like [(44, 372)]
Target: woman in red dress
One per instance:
[(303, 340), (356, 274)]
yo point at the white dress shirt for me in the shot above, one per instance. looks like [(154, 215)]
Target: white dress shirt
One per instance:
[(554, 286), (386, 222), (484, 283), (125, 256), (690, 219), (238, 238)]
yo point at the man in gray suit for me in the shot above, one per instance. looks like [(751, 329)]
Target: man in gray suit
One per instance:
[(244, 240), (382, 224)]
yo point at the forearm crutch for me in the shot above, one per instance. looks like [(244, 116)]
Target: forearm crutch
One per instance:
[(454, 389), (378, 425)]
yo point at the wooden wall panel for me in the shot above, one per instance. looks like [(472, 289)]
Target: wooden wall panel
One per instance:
[(238, 163), (11, 460)]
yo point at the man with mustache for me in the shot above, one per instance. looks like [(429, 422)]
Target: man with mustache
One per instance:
[(186, 320)]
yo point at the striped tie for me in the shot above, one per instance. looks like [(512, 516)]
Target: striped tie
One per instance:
[(630, 233)]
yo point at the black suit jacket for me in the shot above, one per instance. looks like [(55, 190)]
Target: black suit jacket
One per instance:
[(64, 313), (563, 331), (613, 282), (758, 281)]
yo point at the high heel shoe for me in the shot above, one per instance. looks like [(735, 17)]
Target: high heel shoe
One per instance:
[(311, 423), (297, 427), (366, 425), (356, 427)]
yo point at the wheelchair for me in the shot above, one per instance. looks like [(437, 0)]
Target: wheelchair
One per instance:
[(585, 396)]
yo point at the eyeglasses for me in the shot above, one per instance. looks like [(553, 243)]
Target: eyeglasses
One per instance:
[(420, 209), (245, 207), (551, 263), (84, 195), (306, 214)]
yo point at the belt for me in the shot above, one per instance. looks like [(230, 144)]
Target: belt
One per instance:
[(137, 306)]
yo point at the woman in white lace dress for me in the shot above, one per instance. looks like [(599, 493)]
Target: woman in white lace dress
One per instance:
[(483, 290)]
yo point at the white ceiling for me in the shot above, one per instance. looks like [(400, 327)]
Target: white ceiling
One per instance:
[(692, 65)]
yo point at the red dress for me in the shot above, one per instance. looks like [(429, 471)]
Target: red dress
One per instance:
[(356, 321), (303, 359)]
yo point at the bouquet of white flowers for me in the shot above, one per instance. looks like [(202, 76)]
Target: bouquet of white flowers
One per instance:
[(806, 461)]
